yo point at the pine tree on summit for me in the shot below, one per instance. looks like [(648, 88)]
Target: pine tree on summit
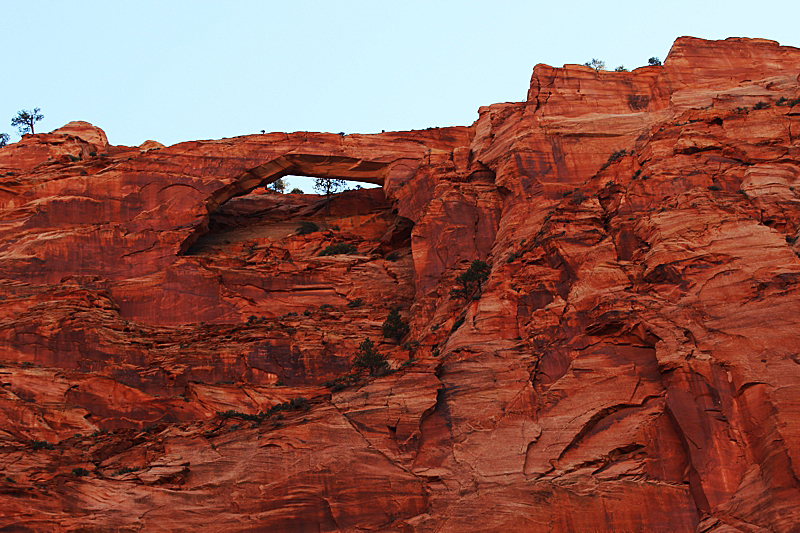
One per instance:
[(25, 120)]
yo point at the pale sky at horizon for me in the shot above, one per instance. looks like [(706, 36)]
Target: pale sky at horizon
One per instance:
[(175, 71)]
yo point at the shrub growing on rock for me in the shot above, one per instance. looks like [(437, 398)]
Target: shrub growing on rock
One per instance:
[(783, 101), (341, 382), (471, 281), (338, 248), (395, 327), (353, 304), (306, 227), (615, 156), (371, 360)]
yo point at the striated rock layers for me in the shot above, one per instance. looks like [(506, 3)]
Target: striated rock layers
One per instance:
[(176, 355)]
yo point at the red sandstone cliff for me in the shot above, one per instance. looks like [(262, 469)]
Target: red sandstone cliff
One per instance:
[(631, 364)]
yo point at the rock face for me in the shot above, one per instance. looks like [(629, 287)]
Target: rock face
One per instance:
[(178, 356)]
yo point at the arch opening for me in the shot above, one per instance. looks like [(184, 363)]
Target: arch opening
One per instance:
[(306, 184), (248, 210)]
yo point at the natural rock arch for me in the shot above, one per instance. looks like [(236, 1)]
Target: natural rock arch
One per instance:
[(302, 164), (312, 165)]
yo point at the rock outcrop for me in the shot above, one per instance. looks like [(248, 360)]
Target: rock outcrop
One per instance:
[(178, 355)]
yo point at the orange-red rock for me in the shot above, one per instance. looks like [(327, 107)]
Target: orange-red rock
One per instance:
[(171, 343)]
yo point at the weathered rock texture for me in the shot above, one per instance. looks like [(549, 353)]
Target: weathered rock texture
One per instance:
[(631, 364)]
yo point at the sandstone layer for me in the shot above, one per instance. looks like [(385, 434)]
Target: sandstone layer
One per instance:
[(171, 343)]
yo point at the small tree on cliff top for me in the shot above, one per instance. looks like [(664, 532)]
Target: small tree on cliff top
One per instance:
[(596, 64), (25, 120), (3, 139)]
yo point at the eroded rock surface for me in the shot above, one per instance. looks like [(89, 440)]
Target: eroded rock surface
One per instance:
[(177, 354)]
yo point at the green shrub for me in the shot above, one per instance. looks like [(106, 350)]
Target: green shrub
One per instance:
[(41, 445), (340, 383), (761, 105), (126, 470), (292, 405), (370, 359), (79, 472), (306, 227), (654, 61), (411, 346), (279, 185), (296, 190), (596, 64), (714, 188), (471, 281), (338, 248), (353, 304), (395, 327), (615, 156)]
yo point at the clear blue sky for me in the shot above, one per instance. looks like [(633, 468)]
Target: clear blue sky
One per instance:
[(182, 70)]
